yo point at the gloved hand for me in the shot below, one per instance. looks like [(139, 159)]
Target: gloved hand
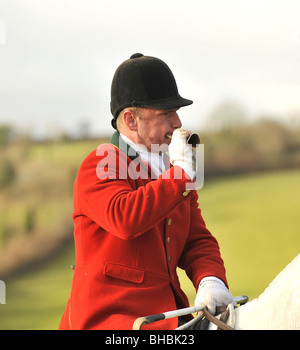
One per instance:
[(181, 154), (212, 292)]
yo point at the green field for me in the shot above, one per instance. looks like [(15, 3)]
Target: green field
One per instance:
[(255, 219)]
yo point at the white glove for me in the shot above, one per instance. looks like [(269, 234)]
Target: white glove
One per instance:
[(181, 154), (212, 292)]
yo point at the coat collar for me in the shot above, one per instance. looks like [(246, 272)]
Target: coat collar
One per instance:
[(117, 141)]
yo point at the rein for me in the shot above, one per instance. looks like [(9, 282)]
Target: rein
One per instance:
[(203, 315), (221, 323)]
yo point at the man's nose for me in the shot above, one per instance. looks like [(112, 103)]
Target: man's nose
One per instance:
[(175, 121)]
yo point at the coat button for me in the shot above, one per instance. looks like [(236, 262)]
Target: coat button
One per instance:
[(168, 240), (169, 258), (169, 222), (185, 193)]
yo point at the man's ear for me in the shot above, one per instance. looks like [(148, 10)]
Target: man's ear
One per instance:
[(130, 120)]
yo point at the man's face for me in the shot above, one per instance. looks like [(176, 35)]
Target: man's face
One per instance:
[(153, 125)]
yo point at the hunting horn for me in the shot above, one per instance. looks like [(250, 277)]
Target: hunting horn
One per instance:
[(192, 139)]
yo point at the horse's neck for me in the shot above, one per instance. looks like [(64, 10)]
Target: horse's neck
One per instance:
[(278, 307)]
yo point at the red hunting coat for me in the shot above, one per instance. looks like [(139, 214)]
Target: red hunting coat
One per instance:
[(131, 233)]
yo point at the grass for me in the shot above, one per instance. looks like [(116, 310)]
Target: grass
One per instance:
[(255, 219), (37, 299)]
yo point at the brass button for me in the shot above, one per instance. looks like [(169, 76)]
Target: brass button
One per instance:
[(169, 258), (185, 193), (169, 222), (168, 240)]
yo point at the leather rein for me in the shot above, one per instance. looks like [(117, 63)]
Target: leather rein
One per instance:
[(221, 323)]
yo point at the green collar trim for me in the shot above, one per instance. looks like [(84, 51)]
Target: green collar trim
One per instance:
[(117, 141)]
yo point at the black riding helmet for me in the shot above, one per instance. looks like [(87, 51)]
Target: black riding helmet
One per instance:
[(144, 81)]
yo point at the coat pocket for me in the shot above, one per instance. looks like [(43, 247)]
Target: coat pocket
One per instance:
[(124, 272)]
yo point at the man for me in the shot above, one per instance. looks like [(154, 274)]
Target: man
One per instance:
[(135, 218)]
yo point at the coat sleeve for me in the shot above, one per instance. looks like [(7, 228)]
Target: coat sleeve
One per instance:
[(104, 193), (201, 256)]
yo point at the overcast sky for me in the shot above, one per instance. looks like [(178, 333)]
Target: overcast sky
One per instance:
[(58, 57)]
